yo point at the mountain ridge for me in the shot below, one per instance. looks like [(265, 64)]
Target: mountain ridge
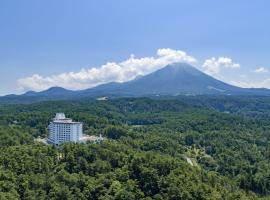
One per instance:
[(171, 80)]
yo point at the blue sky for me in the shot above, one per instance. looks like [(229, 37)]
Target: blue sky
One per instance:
[(47, 43)]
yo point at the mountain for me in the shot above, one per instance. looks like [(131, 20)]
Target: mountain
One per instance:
[(174, 79), (54, 93)]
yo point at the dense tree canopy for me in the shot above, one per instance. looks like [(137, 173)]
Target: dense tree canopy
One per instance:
[(155, 149)]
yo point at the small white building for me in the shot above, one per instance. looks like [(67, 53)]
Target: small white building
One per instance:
[(62, 129), (92, 138)]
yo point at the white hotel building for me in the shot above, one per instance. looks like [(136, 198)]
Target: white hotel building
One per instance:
[(63, 129)]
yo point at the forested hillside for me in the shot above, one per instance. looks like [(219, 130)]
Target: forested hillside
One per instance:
[(183, 148)]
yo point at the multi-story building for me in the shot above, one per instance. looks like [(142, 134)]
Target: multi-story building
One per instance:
[(62, 129)]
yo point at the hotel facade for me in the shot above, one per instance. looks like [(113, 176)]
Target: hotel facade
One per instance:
[(62, 129)]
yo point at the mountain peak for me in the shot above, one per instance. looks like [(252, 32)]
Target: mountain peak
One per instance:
[(55, 88), (179, 65), (173, 79), (181, 68)]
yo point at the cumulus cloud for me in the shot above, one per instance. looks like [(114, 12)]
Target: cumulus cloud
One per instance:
[(109, 72), (214, 65), (260, 70)]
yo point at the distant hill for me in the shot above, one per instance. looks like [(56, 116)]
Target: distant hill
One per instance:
[(172, 80), (54, 93)]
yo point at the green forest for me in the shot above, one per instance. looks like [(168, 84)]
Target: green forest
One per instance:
[(182, 148)]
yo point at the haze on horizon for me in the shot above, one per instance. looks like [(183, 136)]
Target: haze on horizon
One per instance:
[(83, 44)]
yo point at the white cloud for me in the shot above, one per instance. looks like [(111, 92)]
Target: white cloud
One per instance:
[(109, 72), (243, 84), (260, 70), (214, 65), (254, 84), (265, 83)]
